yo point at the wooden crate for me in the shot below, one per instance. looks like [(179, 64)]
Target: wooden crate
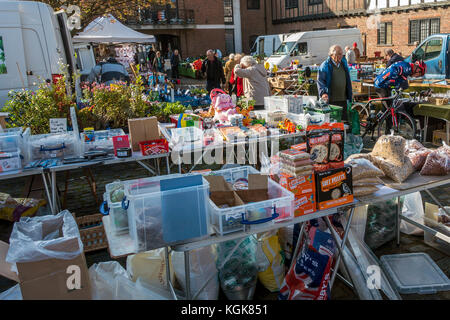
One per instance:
[(357, 86), (92, 232)]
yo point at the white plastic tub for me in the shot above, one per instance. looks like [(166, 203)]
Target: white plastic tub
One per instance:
[(287, 103), (279, 206), (50, 146), (185, 210)]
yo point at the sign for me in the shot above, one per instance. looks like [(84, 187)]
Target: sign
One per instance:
[(58, 125), (2, 57)]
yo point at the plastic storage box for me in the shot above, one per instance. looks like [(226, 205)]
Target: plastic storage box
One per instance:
[(336, 113), (286, 103), (188, 134), (10, 143), (414, 273), (102, 141), (234, 219), (166, 210), (48, 146), (112, 205), (301, 119)]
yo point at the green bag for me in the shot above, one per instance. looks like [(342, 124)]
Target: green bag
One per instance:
[(353, 119)]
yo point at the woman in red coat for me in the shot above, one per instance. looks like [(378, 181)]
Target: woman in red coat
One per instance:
[(236, 82)]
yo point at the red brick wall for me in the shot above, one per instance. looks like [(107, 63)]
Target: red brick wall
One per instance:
[(206, 11), (253, 23)]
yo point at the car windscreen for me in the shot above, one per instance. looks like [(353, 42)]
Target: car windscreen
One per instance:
[(285, 48)]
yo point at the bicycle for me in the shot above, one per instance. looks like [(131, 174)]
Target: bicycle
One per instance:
[(393, 117)]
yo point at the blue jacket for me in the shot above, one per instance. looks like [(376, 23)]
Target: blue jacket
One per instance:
[(324, 78), (396, 75)]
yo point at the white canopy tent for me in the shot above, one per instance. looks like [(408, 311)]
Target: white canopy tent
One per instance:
[(107, 29)]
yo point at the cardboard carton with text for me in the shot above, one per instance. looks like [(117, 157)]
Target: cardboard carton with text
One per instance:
[(142, 129)]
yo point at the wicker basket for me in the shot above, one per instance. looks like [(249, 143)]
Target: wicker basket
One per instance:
[(92, 232)]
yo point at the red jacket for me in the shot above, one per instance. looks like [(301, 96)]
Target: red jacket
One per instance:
[(239, 84)]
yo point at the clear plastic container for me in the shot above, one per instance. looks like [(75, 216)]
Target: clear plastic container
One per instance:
[(102, 141), (188, 134), (279, 206), (185, 209), (415, 273), (112, 205), (49, 146), (10, 140), (10, 161), (286, 103), (299, 119)]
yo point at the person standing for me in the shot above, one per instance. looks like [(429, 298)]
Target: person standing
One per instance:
[(175, 62), (213, 69), (256, 85), (237, 85), (229, 67), (158, 63), (356, 50), (392, 57), (109, 71), (151, 56), (333, 80), (350, 55)]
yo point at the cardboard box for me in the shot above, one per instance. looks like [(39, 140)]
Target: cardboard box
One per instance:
[(439, 136), (305, 204), (298, 185), (334, 187), (142, 129), (440, 241), (357, 86), (50, 279), (300, 147)]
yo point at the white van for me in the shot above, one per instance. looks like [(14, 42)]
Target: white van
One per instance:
[(33, 39), (267, 45), (85, 60), (311, 47)]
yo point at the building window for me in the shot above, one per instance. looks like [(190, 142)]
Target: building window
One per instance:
[(229, 41), (291, 4), (228, 11), (384, 34), (419, 30), (253, 4), (314, 2)]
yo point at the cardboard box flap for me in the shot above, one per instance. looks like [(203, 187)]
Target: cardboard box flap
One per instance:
[(218, 183), (5, 267), (221, 193), (257, 189), (258, 182)]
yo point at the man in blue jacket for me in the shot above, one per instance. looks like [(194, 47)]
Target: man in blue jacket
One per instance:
[(333, 80)]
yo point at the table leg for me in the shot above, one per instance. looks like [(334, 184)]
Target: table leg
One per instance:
[(47, 191), (448, 131), (425, 129), (169, 281), (398, 220), (297, 246), (187, 273), (157, 166), (168, 165), (146, 167), (53, 183)]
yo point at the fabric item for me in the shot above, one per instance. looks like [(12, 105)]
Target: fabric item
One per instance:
[(256, 85), (396, 75), (395, 58), (238, 84), (325, 75), (338, 84), (431, 110), (213, 70), (350, 56)]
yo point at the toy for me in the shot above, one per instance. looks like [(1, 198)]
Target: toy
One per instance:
[(223, 106), (288, 126)]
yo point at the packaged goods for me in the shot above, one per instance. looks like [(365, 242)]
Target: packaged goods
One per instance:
[(294, 155), (318, 146), (436, 164), (398, 172), (300, 147), (418, 157), (304, 204), (412, 145), (363, 169), (445, 148), (391, 148), (300, 173), (297, 170), (361, 191), (12, 209), (334, 187), (299, 163), (272, 277), (366, 156), (298, 185), (367, 182), (336, 153)]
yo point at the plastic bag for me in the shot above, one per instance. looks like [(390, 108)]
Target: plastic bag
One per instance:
[(353, 117), (13, 293), (238, 275), (391, 148), (364, 191), (412, 209), (367, 182), (272, 277), (437, 164), (398, 172), (363, 169), (150, 267), (202, 268), (12, 209), (445, 148), (418, 157), (28, 242), (103, 277), (353, 145), (413, 145), (286, 239)]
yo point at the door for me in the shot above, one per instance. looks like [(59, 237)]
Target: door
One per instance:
[(432, 52)]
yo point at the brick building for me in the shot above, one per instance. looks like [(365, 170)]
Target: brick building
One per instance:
[(193, 26)]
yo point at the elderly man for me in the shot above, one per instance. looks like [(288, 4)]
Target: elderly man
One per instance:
[(333, 80), (350, 55), (392, 57), (214, 71), (254, 75)]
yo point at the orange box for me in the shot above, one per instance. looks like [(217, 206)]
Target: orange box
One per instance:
[(298, 185), (304, 204), (334, 187), (300, 147)]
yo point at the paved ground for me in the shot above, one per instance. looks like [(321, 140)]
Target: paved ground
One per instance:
[(81, 201)]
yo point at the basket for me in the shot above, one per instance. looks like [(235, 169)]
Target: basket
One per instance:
[(92, 232)]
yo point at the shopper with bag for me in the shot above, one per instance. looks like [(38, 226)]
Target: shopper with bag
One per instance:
[(236, 83), (228, 69), (213, 69)]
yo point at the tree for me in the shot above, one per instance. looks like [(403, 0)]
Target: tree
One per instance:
[(91, 9)]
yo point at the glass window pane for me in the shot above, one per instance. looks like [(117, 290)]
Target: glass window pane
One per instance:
[(433, 49), (435, 26), (389, 33)]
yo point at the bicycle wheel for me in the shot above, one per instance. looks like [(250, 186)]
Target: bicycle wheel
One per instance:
[(406, 127), (364, 113)]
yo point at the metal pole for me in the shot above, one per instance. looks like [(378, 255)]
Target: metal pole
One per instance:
[(53, 183), (44, 178), (297, 246), (169, 281), (168, 164), (146, 167), (187, 274), (437, 201), (398, 219)]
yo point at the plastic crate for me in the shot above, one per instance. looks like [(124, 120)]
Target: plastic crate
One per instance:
[(103, 141), (145, 204), (293, 104), (152, 147), (50, 146), (92, 232), (336, 113), (301, 119), (415, 273), (234, 219), (188, 134)]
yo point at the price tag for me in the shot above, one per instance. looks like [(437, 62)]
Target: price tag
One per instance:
[(58, 125)]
